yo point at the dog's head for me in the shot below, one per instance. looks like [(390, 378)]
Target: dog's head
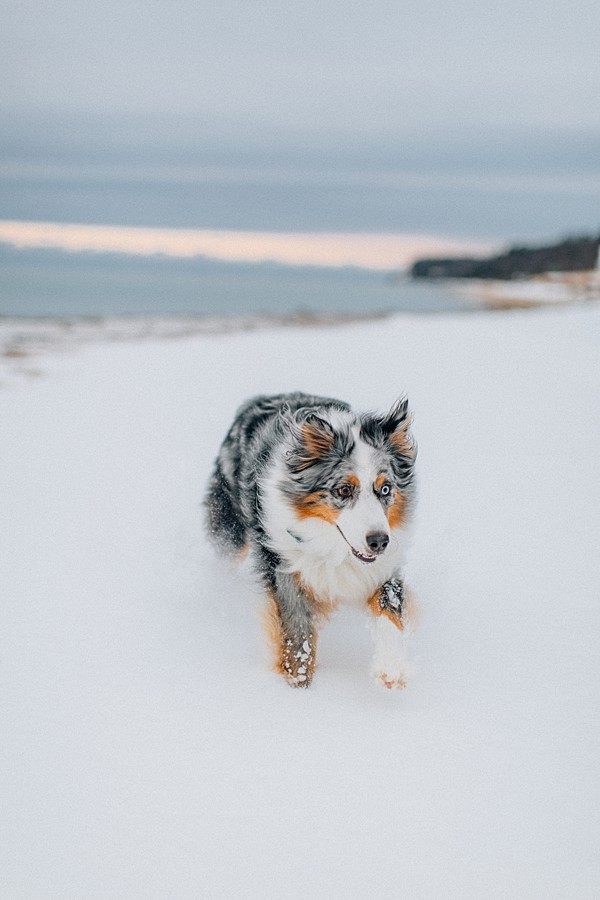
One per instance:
[(353, 474)]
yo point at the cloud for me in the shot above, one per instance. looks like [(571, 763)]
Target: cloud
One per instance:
[(381, 65)]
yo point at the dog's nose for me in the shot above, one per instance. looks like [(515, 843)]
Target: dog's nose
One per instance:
[(377, 541)]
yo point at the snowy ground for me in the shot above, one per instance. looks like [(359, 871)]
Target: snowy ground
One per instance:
[(147, 751)]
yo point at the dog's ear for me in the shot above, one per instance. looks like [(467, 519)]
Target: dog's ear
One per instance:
[(313, 439), (396, 429)]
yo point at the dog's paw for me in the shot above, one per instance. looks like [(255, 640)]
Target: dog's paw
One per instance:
[(294, 681), (391, 680), (298, 663)]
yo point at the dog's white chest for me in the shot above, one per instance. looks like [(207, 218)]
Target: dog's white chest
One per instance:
[(347, 581)]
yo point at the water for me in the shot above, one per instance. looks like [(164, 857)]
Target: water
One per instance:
[(43, 283), (504, 209), (496, 208)]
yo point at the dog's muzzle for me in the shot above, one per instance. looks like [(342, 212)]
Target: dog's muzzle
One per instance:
[(376, 541)]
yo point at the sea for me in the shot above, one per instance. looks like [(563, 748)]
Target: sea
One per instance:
[(54, 281)]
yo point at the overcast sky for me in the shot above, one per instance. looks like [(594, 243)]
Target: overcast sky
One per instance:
[(395, 65)]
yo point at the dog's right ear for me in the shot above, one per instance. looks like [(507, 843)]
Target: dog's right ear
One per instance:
[(313, 439), (396, 428)]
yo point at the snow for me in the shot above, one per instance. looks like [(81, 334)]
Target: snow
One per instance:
[(147, 750)]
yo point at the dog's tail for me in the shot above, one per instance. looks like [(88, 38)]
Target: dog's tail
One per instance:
[(223, 523)]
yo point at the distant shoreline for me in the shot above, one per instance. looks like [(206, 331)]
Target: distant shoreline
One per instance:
[(383, 251), (26, 337)]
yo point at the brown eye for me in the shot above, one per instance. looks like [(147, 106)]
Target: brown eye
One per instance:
[(345, 491), (386, 489)]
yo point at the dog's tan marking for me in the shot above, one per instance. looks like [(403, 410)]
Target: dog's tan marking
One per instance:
[(377, 610), (273, 629), (315, 505), (410, 614), (396, 513)]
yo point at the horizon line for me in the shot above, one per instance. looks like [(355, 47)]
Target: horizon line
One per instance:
[(379, 251)]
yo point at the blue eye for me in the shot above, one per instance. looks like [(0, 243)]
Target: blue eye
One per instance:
[(386, 489)]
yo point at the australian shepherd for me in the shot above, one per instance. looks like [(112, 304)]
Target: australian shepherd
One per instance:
[(323, 498)]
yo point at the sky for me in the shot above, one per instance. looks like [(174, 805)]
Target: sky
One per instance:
[(393, 66), (318, 115)]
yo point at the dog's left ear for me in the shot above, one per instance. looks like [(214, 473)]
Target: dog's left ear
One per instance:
[(314, 438), (396, 428), (318, 436)]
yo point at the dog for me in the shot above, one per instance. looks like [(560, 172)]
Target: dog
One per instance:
[(323, 498)]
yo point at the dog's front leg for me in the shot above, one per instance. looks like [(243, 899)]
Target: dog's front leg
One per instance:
[(388, 601), (293, 630), (391, 627)]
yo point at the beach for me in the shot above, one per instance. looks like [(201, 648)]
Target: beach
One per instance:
[(56, 273), (148, 751)]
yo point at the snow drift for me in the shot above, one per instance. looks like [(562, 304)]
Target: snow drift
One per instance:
[(147, 750)]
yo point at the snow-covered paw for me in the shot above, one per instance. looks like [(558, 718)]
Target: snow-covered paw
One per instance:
[(392, 596), (298, 662), (391, 681), (388, 602)]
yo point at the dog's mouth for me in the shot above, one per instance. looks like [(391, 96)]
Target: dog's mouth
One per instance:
[(364, 557)]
